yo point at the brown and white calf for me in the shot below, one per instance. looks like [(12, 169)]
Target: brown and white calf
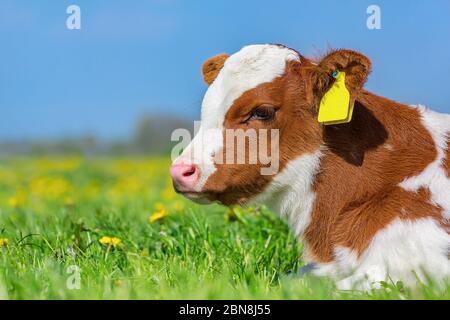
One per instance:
[(370, 199)]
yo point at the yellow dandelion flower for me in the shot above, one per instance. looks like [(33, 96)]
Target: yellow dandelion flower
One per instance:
[(3, 242), (105, 240), (116, 242), (111, 241), (158, 215)]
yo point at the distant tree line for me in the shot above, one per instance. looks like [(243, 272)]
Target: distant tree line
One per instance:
[(151, 136)]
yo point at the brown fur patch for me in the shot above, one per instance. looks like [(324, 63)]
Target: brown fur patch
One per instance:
[(356, 191), (359, 222), (212, 67)]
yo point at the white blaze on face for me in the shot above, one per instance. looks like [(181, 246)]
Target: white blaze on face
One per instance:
[(244, 70)]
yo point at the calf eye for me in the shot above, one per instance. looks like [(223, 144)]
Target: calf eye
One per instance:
[(264, 113)]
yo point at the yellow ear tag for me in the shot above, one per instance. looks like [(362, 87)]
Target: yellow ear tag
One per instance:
[(335, 106)]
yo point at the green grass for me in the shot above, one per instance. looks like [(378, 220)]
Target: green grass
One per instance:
[(54, 211)]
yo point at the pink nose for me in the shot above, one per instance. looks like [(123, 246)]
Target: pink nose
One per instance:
[(184, 176)]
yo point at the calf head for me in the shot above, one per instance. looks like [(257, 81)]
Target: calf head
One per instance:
[(269, 96)]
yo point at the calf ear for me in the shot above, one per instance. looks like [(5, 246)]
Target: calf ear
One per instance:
[(212, 67), (355, 65)]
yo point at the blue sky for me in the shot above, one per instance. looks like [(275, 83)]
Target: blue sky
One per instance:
[(136, 57)]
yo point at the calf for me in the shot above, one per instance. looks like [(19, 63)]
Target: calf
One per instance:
[(370, 199)]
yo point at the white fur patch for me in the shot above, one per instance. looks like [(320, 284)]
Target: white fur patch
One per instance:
[(290, 193), (402, 251), (345, 262), (434, 176), (405, 250), (242, 71)]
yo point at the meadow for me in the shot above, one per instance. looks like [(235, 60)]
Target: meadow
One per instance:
[(113, 228)]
